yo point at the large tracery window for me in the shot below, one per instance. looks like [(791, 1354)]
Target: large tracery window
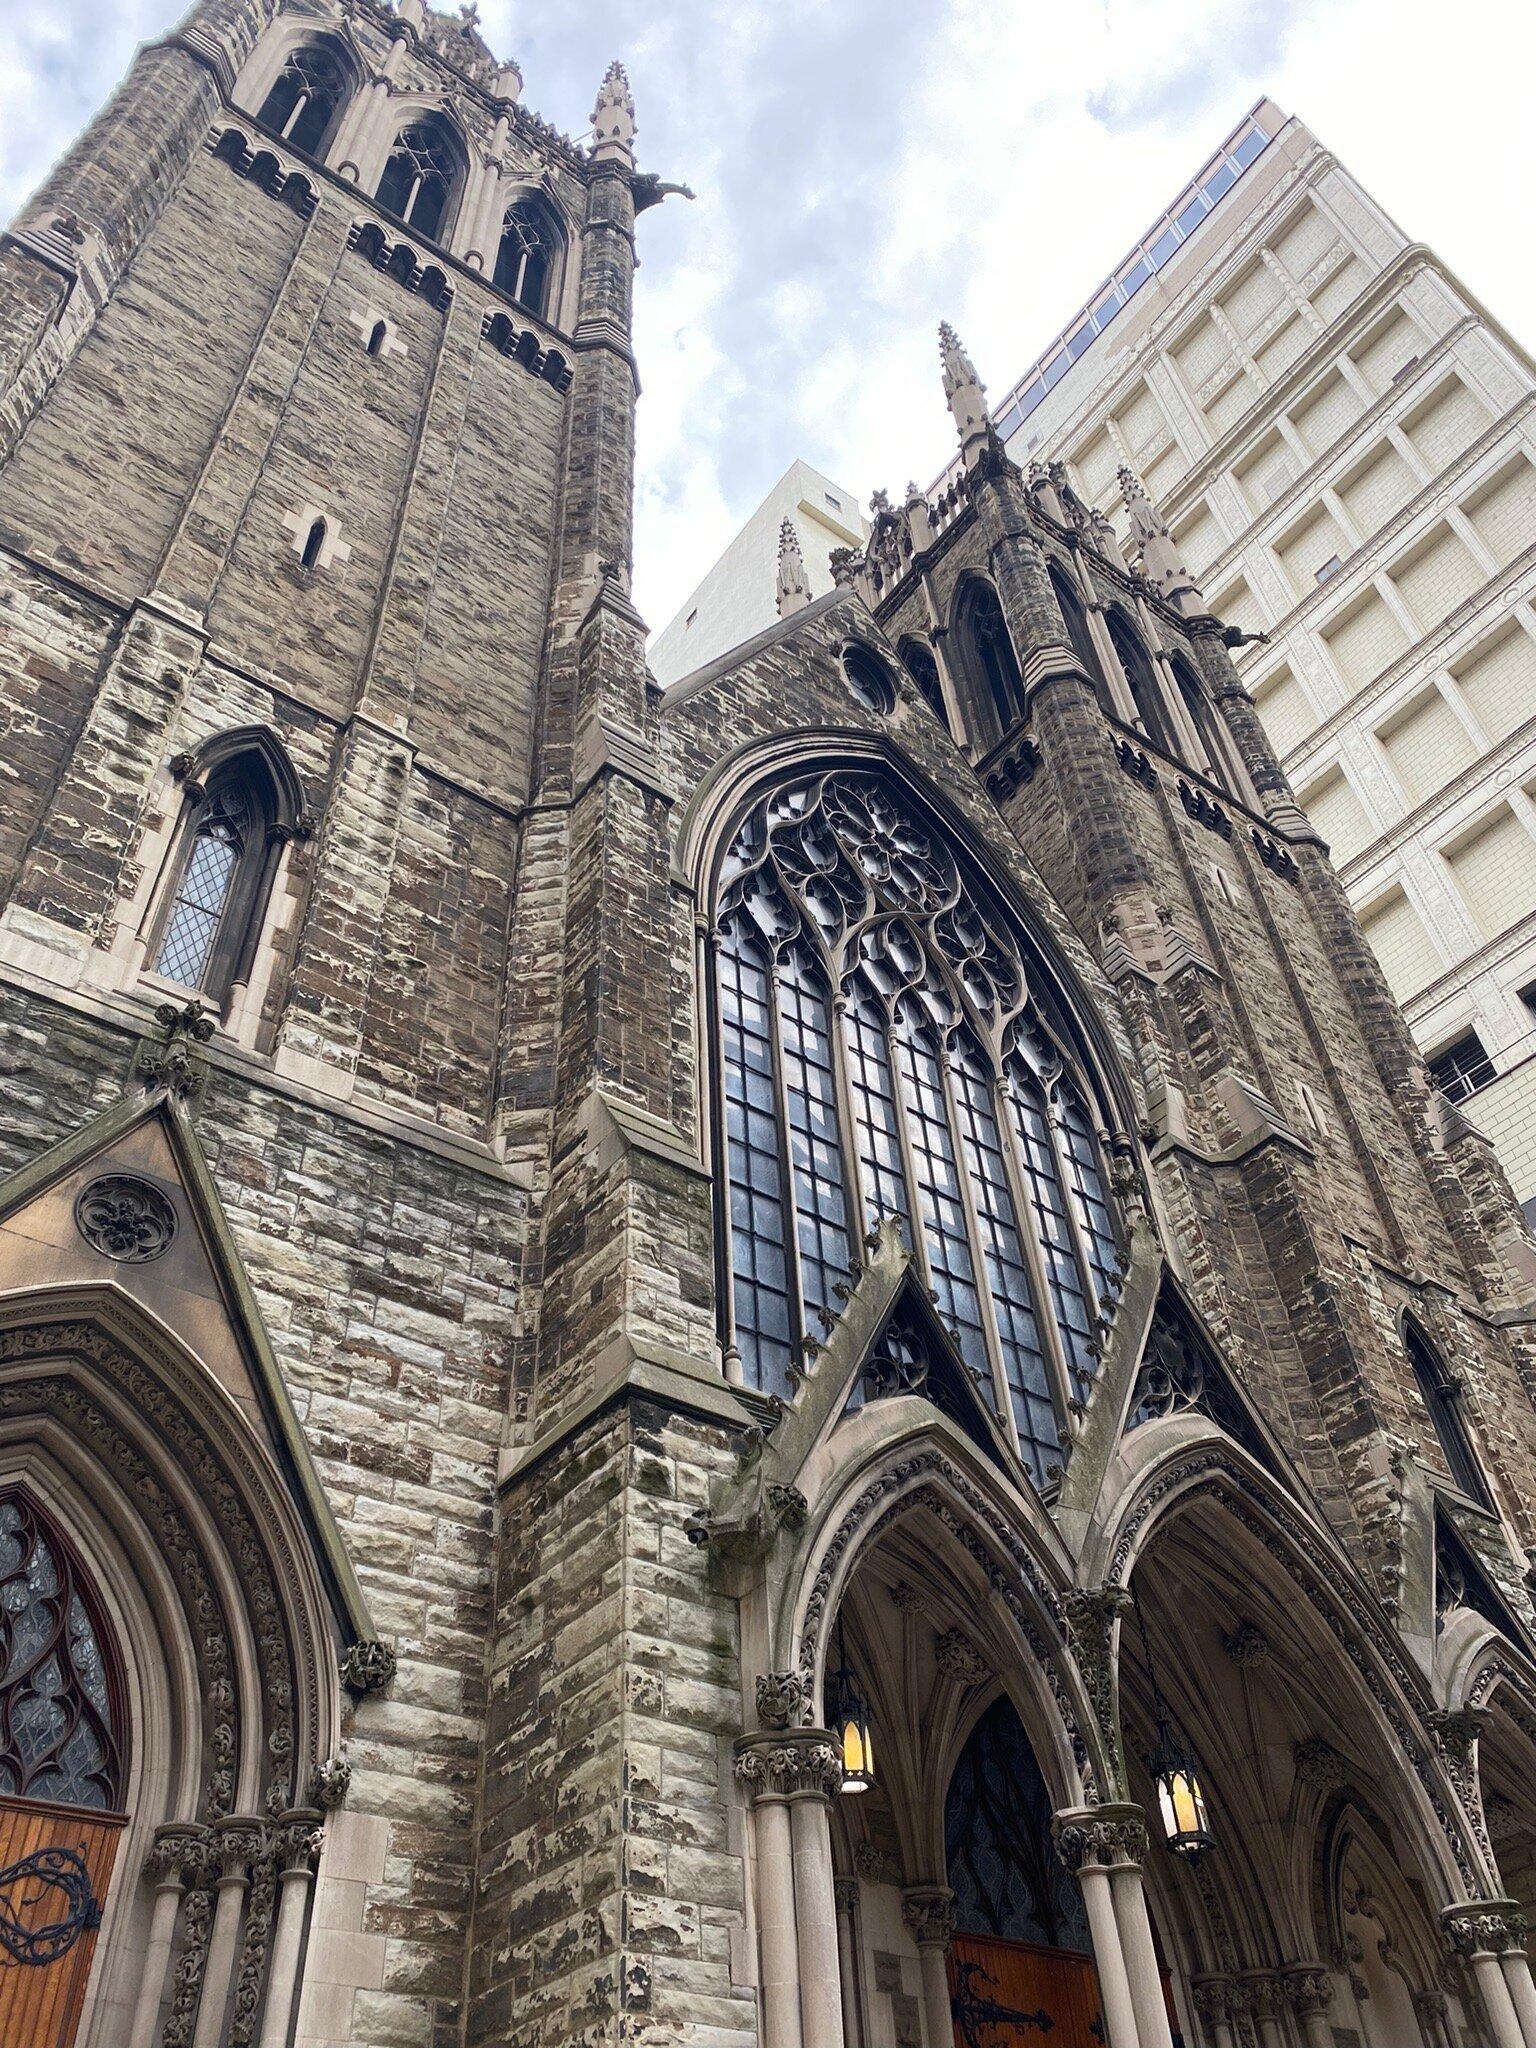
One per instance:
[(889, 1050), (527, 255), (306, 96), (59, 1712), (421, 177)]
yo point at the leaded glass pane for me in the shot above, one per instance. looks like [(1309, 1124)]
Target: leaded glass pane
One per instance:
[(1024, 1366), (1001, 1862), (815, 1149), (938, 1186), (1053, 1228), (759, 1261), (194, 919), (874, 1111), (56, 1736), (1085, 1181)]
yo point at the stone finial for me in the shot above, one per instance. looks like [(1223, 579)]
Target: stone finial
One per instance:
[(1150, 541), (509, 81), (794, 593), (613, 119), (919, 519), (966, 395)]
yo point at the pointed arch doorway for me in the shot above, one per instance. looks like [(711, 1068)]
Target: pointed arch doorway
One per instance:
[(63, 1774)]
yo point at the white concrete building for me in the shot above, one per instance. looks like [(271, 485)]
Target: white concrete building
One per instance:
[(1341, 436), (736, 598)]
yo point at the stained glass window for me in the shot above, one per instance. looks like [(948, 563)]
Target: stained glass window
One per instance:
[(890, 1051), (1007, 1879), (57, 1736)]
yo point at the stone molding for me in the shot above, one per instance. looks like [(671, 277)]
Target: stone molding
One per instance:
[(1098, 1836), (793, 1763), (1479, 1926), (929, 1913)]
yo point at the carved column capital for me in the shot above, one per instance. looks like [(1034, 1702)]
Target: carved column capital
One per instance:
[(1308, 1988), (1263, 1994), (929, 1912), (1480, 1926), (790, 1763), (845, 1895), (1100, 1835), (173, 1849), (1432, 2006), (300, 1837), (1216, 2000), (238, 1842)]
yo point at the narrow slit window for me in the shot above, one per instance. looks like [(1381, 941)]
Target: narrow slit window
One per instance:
[(314, 543), (378, 337)]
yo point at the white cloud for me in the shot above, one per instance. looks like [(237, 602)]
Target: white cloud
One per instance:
[(865, 167)]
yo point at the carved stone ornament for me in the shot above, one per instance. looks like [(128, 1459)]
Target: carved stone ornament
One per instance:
[(1247, 1645), (845, 1895), (908, 1599), (1100, 1835), (1215, 2000), (780, 1698), (1432, 2007), (789, 1507), (870, 1861), (1484, 1925), (331, 1783), (173, 1060), (1319, 1767), (125, 1219), (367, 1666), (1308, 1989), (958, 1658), (798, 1763), (929, 1912)]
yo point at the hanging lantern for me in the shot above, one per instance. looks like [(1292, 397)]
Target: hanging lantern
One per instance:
[(849, 1717), (1175, 1768), (1180, 1799)]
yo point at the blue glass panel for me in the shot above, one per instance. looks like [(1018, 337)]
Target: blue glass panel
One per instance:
[(1085, 1179), (1222, 179), (1053, 1228), (815, 1150), (1163, 248), (938, 1188), (1247, 146), (1024, 1365), (1189, 217), (758, 1237), (876, 1133)]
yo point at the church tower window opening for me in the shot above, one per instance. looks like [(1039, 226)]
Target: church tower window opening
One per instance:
[(1440, 1392), (890, 1049), (232, 834), (918, 661), (1140, 679), (1075, 617), (422, 176), (989, 653), (306, 97), (527, 256)]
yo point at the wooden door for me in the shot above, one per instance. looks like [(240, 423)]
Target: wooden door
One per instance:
[(1028, 1978), (40, 2001)]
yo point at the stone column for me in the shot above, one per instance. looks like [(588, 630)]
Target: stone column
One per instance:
[(1309, 1992), (1516, 1965), (846, 1895), (929, 1911), (298, 1849), (774, 1891), (1262, 1990), (1433, 2012), (236, 1845), (165, 1868), (1086, 1846), (1479, 1932), (1129, 1840), (1214, 2005), (816, 1773)]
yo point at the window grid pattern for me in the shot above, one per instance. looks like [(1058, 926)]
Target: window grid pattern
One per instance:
[(419, 178), (1024, 1366), (57, 1741), (760, 1264), (939, 1196), (1053, 1229), (815, 1148), (834, 888), (877, 1133), (304, 97), (1085, 1180), (200, 899)]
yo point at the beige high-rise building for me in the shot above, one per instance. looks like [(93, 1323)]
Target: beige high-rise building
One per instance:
[(1341, 437)]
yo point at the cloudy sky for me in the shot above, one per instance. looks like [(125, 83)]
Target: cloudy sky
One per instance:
[(865, 168)]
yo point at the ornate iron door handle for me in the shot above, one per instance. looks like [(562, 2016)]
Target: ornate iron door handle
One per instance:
[(52, 1870), (973, 2008)]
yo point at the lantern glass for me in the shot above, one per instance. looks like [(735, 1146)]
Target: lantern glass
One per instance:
[(1181, 1802)]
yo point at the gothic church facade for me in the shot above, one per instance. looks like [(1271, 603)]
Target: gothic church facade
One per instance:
[(800, 1363)]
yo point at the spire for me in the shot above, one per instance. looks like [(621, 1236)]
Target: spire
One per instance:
[(966, 394), (613, 119), (794, 591), (1161, 562)]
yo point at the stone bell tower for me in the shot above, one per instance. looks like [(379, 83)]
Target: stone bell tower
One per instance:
[(325, 707)]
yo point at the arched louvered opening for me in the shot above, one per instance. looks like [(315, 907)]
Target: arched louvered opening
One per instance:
[(1079, 635), (987, 653), (423, 177), (891, 1047), (1441, 1392), (1141, 679), (529, 255), (306, 99), (918, 660)]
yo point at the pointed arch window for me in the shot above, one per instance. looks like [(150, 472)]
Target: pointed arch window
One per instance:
[(891, 1048), (528, 256), (234, 826), (61, 1721), (1140, 679), (919, 662), (1441, 1393), (1079, 634), (422, 177), (307, 96), (989, 654)]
